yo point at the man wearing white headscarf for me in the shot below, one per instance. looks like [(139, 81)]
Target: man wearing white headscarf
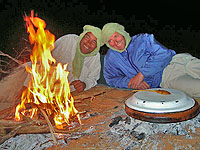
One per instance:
[(81, 53)]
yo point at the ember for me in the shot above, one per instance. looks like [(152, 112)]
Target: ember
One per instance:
[(48, 88)]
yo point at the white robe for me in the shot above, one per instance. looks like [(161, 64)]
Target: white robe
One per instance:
[(64, 52), (183, 73)]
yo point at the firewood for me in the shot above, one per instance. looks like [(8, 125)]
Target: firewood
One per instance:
[(7, 126), (13, 132), (50, 126), (10, 123), (10, 128), (92, 97)]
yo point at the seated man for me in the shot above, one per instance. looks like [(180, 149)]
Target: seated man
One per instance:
[(81, 53), (141, 62)]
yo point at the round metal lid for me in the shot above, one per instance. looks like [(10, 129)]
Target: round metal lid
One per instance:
[(153, 102)]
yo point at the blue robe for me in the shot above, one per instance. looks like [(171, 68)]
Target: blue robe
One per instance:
[(144, 54)]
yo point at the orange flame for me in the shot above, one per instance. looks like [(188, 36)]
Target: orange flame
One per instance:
[(49, 87)]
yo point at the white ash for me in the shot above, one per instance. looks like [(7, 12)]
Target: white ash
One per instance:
[(29, 142), (133, 132), (41, 141)]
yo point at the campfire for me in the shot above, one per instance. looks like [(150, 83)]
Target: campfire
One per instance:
[(48, 89), (48, 106)]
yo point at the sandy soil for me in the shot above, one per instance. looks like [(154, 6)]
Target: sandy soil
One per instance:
[(105, 105)]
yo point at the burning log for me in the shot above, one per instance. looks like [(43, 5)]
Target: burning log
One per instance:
[(50, 126), (10, 128)]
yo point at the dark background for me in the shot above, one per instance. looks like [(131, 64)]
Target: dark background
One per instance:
[(174, 24)]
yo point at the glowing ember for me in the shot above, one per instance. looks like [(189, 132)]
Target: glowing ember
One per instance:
[(49, 88)]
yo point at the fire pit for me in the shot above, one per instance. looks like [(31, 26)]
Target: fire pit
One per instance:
[(105, 124), (157, 107)]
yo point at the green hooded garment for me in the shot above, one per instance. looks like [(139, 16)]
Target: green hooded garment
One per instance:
[(109, 29), (78, 61)]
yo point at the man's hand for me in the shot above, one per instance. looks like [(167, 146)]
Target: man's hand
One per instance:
[(136, 81), (78, 85), (144, 85)]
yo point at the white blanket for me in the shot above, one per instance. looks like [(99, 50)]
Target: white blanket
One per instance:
[(183, 73)]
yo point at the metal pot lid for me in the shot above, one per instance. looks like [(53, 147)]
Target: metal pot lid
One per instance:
[(153, 102)]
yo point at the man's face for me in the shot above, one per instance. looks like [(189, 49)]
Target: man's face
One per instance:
[(117, 41), (88, 43)]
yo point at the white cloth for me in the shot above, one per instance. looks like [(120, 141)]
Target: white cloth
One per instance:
[(183, 73), (64, 52)]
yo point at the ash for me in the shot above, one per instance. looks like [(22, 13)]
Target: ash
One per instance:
[(28, 142), (41, 141), (130, 132)]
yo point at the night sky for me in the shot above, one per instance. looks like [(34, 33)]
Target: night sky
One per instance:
[(175, 25)]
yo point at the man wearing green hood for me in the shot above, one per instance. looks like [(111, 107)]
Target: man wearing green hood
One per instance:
[(81, 53), (141, 62)]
